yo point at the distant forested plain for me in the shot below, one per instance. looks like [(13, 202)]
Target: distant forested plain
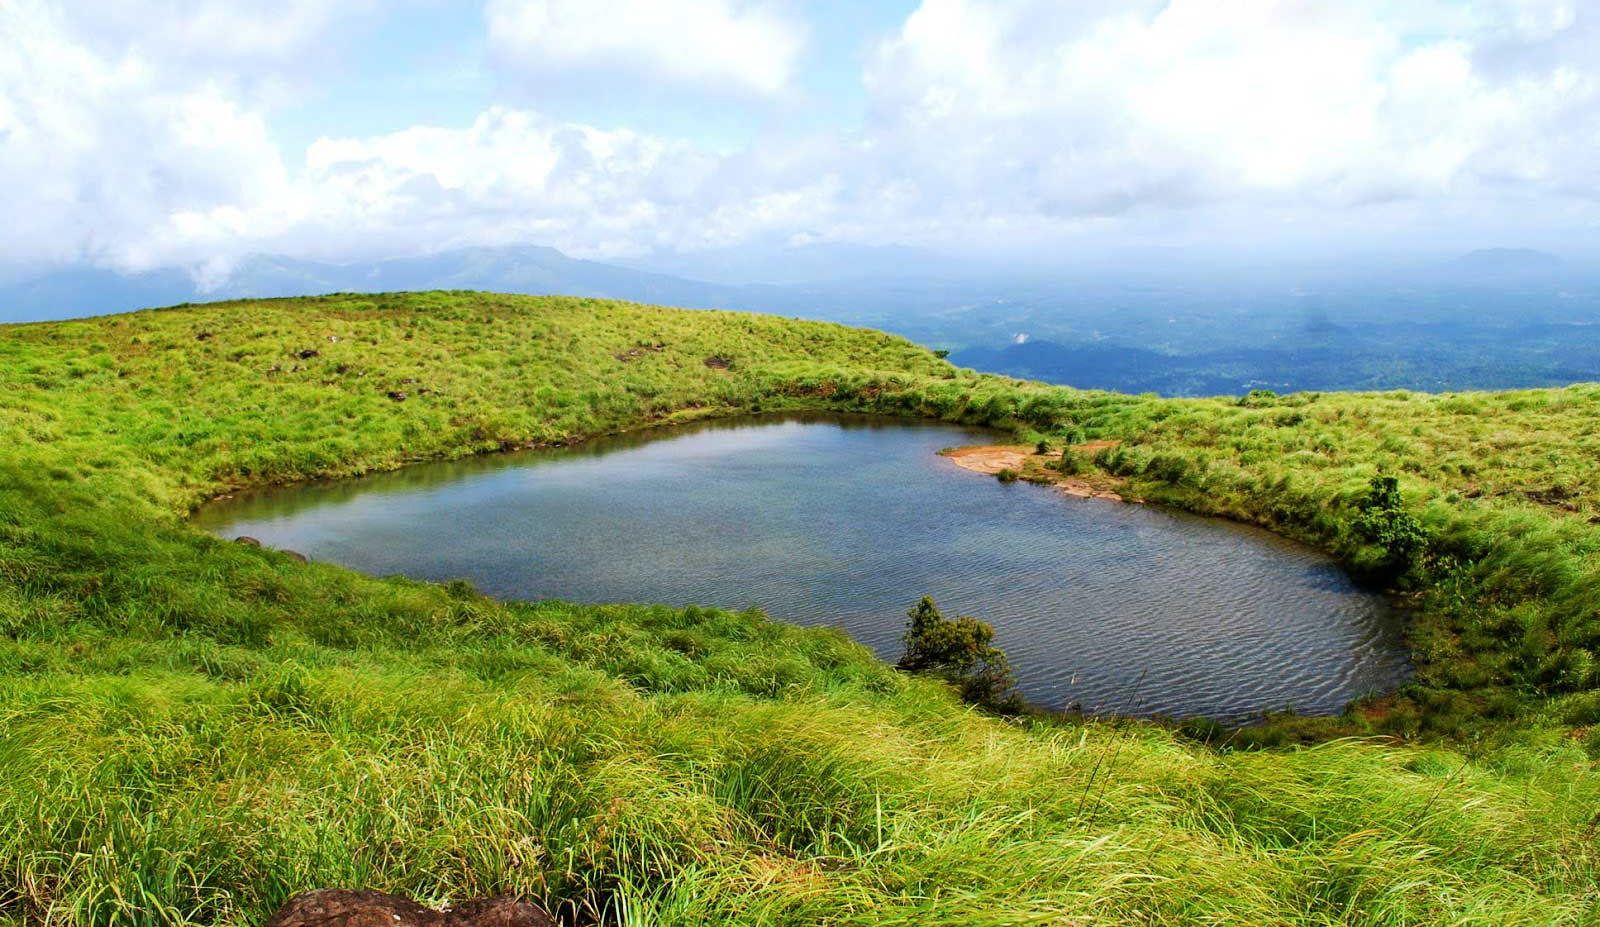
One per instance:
[(1488, 323), (192, 729), (1325, 356)]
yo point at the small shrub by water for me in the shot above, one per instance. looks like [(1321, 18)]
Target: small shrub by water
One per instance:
[(1071, 462), (961, 652), (1382, 520)]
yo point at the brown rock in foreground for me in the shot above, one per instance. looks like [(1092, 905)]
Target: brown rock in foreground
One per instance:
[(334, 907)]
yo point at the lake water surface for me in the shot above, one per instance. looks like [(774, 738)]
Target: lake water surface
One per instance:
[(846, 522)]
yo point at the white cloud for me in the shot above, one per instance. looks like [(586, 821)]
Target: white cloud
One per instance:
[(1196, 101), (740, 45), (516, 177), (234, 31), (261, 52), (1000, 124), (512, 176), (97, 152), (120, 155)]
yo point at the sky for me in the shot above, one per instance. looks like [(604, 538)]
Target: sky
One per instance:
[(137, 134)]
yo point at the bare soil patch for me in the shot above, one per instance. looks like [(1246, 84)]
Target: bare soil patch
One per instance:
[(1021, 459)]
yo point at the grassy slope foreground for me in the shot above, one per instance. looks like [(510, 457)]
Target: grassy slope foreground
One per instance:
[(191, 730)]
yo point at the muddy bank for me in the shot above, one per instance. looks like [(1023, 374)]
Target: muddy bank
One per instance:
[(1023, 460)]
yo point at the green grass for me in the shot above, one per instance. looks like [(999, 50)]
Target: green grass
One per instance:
[(192, 730)]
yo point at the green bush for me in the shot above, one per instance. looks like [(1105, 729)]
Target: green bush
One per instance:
[(1382, 520), (1168, 468), (1072, 463), (961, 652)]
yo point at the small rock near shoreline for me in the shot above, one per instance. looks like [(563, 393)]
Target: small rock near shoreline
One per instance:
[(332, 907)]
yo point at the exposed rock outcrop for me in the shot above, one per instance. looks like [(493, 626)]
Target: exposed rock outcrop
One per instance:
[(334, 907)]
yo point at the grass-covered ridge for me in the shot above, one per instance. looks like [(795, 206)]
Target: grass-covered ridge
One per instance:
[(191, 730)]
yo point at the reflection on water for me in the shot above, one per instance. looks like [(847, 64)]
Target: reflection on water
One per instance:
[(846, 521)]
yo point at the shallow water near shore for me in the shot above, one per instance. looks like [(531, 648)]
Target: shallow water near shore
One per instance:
[(846, 521)]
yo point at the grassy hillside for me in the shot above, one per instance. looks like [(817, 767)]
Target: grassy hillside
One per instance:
[(191, 730)]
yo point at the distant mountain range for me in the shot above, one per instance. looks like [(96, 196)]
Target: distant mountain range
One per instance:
[(88, 291), (863, 285), (812, 265), (1506, 262), (848, 282)]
